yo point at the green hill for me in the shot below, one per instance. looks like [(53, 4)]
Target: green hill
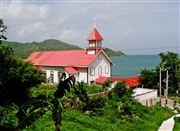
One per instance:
[(25, 49), (111, 53)]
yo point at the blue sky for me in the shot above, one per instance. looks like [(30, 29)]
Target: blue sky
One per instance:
[(134, 27)]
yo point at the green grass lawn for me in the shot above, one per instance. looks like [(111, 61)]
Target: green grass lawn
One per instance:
[(75, 120), (177, 124)]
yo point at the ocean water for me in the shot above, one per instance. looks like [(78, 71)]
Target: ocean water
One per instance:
[(127, 66)]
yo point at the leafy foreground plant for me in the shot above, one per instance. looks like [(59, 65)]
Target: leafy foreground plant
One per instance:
[(38, 106), (16, 79)]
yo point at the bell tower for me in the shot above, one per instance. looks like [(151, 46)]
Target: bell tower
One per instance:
[(95, 41)]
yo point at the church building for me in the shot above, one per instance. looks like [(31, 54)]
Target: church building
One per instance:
[(86, 65)]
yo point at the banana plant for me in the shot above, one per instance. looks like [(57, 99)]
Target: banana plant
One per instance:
[(37, 107)]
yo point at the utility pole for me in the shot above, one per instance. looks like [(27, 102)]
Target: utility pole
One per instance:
[(160, 86), (167, 86)]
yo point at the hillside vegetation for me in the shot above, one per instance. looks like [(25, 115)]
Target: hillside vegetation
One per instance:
[(110, 52), (25, 49), (109, 117)]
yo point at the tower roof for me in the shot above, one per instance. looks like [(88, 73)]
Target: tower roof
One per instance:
[(95, 35)]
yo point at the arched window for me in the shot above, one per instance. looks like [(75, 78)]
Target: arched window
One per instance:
[(100, 71), (92, 71), (107, 69)]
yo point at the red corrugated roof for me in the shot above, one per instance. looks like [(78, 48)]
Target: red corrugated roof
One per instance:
[(130, 82), (75, 58), (67, 58), (101, 79), (95, 35), (71, 70)]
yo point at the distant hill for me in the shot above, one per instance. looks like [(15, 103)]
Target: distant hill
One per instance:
[(25, 49), (111, 53)]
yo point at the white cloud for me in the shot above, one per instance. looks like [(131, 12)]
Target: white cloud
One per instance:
[(19, 11), (70, 36), (129, 33), (32, 29), (122, 25)]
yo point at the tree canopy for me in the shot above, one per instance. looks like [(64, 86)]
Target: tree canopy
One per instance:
[(169, 61), (17, 77)]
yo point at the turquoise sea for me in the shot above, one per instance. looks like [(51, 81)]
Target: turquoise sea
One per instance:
[(127, 66)]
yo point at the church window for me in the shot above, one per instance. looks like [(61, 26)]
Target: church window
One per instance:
[(100, 71), (92, 71), (107, 69)]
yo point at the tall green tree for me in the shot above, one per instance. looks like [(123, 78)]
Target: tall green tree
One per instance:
[(149, 78), (17, 77), (169, 61), (2, 30)]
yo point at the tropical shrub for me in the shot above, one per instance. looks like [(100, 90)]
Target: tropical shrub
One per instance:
[(149, 78), (107, 83), (38, 106), (120, 90)]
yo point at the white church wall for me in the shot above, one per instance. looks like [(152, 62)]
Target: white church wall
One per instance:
[(48, 71), (100, 62), (83, 74)]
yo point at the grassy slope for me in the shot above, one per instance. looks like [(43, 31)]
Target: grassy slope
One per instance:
[(74, 120), (25, 49)]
